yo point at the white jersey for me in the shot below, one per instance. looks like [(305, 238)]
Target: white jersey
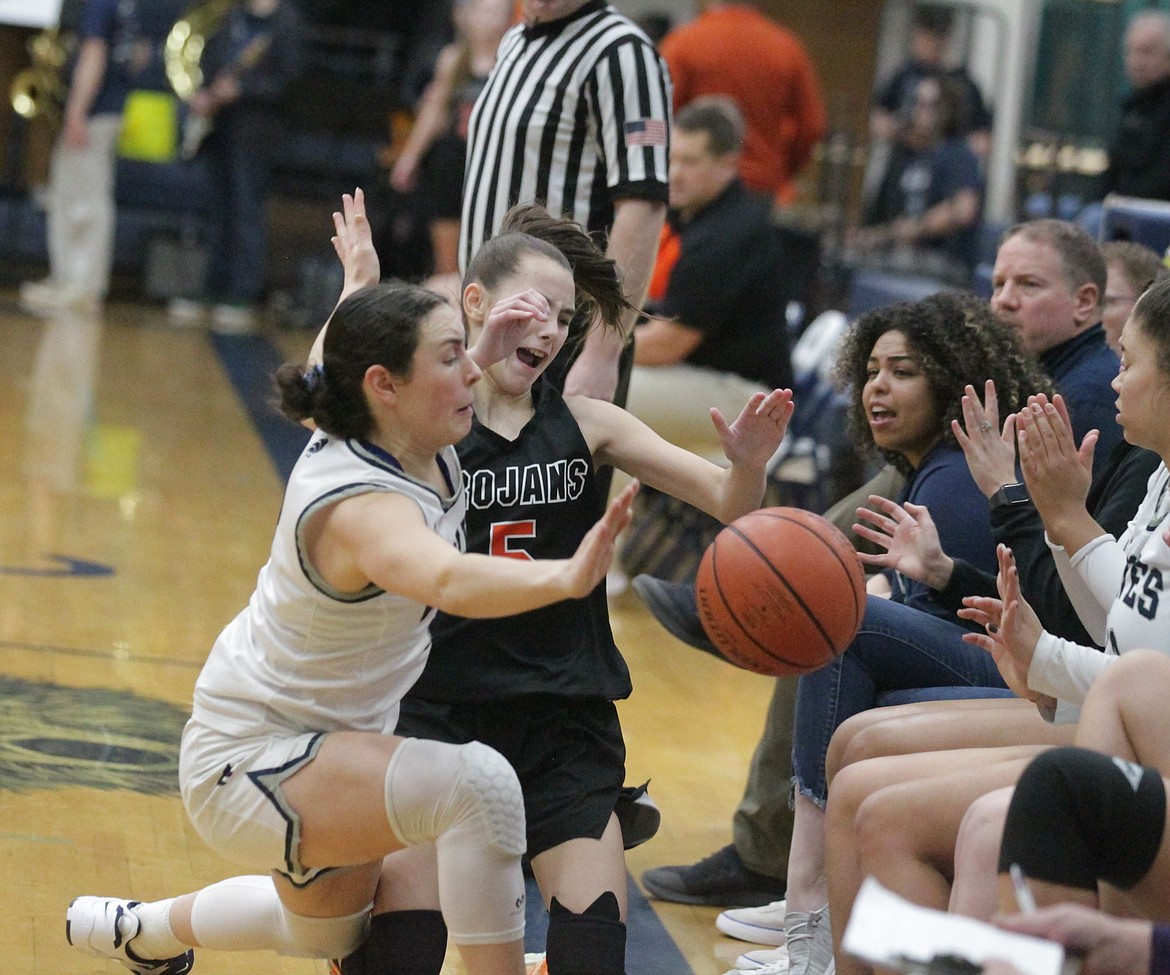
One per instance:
[(303, 656), (1130, 578)]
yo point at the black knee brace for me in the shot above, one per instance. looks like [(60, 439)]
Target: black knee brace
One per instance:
[(591, 943), (401, 943), (1078, 817)]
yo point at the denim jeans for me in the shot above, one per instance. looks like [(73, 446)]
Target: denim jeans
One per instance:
[(237, 244), (897, 648)]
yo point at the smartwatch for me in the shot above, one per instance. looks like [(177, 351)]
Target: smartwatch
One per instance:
[(1010, 495)]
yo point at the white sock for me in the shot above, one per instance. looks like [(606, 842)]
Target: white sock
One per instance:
[(155, 939)]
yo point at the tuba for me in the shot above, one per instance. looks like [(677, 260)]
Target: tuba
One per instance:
[(183, 50), (39, 90)]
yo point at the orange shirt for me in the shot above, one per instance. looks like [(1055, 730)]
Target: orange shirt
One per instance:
[(737, 51)]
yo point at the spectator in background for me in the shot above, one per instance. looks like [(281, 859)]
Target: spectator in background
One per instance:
[(432, 158), (1131, 269), (732, 49), (1139, 158), (721, 335), (576, 114), (930, 35), (250, 61), (925, 214), (120, 49)]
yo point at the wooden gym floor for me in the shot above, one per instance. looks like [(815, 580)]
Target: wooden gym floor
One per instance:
[(138, 491)]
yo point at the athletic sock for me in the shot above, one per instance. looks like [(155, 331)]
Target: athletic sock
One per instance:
[(155, 939)]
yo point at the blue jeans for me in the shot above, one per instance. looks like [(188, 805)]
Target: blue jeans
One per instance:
[(896, 649), (237, 244)]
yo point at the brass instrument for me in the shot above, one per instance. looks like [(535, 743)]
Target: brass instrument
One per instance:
[(183, 50), (40, 90)]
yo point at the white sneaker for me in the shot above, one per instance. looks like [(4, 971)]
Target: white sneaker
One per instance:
[(48, 296), (778, 967), (759, 925), (233, 320), (749, 961), (105, 926), (184, 312)]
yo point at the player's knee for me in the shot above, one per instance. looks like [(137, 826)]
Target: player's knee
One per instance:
[(1078, 817), (977, 843), (433, 788), (879, 830), (590, 943), (325, 937), (400, 943)]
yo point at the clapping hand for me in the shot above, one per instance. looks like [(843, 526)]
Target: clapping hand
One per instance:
[(754, 436), (990, 450), (1057, 472), (910, 539), (1012, 628)]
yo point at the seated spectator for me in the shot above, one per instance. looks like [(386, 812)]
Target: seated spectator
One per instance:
[(720, 332), (1139, 156), (907, 366), (1132, 268), (930, 34), (933, 790), (924, 214)]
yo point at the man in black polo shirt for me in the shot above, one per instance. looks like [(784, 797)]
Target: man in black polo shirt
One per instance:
[(721, 334)]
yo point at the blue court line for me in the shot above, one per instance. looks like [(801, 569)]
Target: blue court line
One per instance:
[(249, 362)]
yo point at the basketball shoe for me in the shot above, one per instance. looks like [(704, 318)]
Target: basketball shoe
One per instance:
[(759, 925), (105, 926)]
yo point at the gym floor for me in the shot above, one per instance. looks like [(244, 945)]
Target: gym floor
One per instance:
[(139, 489)]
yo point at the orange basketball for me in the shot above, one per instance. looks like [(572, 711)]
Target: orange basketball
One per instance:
[(780, 591)]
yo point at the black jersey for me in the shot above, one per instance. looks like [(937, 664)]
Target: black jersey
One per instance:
[(534, 497)]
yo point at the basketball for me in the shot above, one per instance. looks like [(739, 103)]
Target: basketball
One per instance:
[(780, 591)]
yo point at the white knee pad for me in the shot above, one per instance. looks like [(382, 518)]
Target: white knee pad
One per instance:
[(466, 800), (432, 786), (325, 937)]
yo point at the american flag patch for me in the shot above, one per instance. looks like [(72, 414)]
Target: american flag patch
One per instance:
[(645, 132)]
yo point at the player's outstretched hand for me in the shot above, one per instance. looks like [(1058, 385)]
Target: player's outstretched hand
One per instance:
[(910, 539), (505, 326), (1011, 626), (752, 439), (353, 242), (594, 555), (990, 450)]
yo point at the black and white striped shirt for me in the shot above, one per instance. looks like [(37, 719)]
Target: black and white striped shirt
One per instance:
[(575, 115)]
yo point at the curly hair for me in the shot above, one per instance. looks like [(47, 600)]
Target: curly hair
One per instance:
[(957, 342)]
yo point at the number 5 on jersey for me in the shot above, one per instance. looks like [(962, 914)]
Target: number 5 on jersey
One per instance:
[(508, 535)]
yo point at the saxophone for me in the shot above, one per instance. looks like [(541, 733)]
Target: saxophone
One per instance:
[(183, 50), (39, 90)]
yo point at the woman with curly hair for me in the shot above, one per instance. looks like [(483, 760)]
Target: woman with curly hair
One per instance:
[(907, 366)]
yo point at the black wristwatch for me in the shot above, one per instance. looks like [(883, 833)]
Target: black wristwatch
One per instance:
[(1010, 495)]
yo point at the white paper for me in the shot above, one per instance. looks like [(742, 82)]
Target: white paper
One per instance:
[(885, 929)]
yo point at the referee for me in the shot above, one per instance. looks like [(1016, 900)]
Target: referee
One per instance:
[(575, 115)]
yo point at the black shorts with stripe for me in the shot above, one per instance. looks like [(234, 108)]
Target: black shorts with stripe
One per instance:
[(568, 753)]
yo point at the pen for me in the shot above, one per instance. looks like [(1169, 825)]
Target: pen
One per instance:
[(1024, 898)]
